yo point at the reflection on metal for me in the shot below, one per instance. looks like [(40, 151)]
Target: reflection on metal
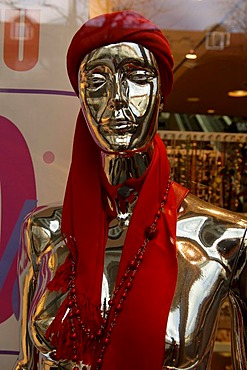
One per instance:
[(212, 266), (120, 96), (118, 169)]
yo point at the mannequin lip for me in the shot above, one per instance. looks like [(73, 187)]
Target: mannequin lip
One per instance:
[(119, 125)]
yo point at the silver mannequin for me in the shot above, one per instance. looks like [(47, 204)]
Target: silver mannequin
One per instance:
[(211, 242)]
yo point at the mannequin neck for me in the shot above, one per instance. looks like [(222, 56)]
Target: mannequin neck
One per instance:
[(119, 168), (121, 171)]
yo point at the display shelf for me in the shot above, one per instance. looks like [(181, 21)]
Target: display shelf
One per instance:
[(203, 136)]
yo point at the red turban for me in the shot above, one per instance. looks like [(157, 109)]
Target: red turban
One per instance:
[(126, 26), (137, 339)]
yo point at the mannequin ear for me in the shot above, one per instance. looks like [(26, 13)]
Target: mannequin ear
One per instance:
[(161, 107)]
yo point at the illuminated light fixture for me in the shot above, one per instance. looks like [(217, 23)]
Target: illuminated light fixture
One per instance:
[(191, 55), (210, 111), (237, 93), (193, 99)]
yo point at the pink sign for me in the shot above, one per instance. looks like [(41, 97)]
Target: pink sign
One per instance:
[(18, 197)]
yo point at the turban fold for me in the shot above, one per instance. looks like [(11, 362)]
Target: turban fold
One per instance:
[(138, 338), (126, 26)]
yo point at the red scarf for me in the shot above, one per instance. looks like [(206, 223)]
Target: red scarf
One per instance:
[(138, 338)]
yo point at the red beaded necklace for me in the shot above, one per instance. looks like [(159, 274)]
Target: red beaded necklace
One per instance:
[(101, 338)]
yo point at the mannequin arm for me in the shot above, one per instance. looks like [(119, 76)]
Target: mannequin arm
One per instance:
[(239, 325), (238, 300), (27, 356), (40, 236)]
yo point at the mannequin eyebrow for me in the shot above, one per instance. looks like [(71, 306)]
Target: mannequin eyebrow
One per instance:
[(137, 64), (129, 62)]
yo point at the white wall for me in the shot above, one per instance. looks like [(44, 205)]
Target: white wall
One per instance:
[(37, 121)]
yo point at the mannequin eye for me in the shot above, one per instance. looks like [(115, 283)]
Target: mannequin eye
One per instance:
[(95, 80), (141, 76)]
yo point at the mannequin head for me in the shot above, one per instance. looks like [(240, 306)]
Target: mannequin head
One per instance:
[(119, 89), (101, 51)]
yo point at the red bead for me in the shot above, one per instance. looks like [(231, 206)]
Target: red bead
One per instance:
[(53, 355), (99, 333), (75, 357), (99, 361), (76, 368), (151, 232), (106, 340), (110, 303), (73, 336)]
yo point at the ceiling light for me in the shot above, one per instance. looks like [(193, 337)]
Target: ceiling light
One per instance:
[(210, 111), (191, 55), (237, 93), (193, 99)]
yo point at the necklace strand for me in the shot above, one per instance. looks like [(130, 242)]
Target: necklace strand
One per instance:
[(103, 334)]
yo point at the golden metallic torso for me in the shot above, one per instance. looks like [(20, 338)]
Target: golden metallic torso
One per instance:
[(212, 267)]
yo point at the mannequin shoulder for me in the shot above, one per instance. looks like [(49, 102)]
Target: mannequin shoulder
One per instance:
[(42, 227), (192, 205), (46, 213)]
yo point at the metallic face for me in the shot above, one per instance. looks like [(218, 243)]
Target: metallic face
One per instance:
[(120, 96)]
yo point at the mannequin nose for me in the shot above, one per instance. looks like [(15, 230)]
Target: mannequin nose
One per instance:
[(118, 97), (117, 102)]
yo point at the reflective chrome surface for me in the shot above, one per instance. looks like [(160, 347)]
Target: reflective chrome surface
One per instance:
[(119, 93), (119, 168), (125, 203), (212, 266)]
